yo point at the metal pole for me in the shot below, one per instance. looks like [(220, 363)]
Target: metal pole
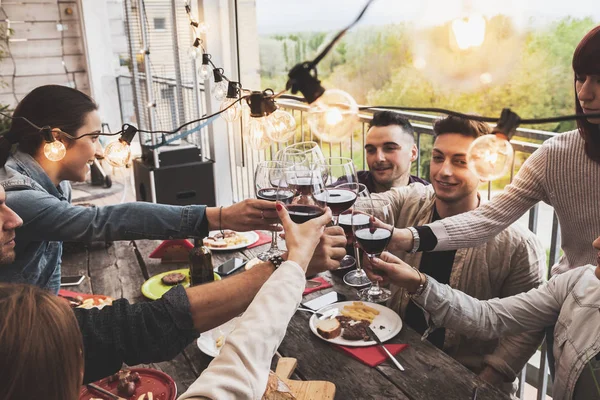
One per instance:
[(149, 94), (134, 68), (177, 64)]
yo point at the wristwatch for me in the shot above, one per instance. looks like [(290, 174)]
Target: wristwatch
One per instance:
[(416, 239), (276, 261)]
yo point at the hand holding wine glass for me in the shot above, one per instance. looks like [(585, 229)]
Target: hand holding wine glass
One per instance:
[(306, 186), (373, 224)]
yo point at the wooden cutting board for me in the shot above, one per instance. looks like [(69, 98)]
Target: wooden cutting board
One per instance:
[(303, 390)]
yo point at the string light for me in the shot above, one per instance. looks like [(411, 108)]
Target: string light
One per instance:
[(54, 150), (196, 49), (230, 107), (491, 156), (219, 91), (204, 69), (260, 127), (284, 126), (118, 153)]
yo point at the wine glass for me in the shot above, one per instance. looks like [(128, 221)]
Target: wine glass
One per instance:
[(373, 225), (337, 171), (266, 181), (310, 151), (357, 277), (301, 192)]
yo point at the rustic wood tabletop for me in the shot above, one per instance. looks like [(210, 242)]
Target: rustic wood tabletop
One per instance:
[(119, 270)]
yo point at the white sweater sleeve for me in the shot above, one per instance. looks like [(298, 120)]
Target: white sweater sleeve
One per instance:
[(476, 227), (242, 368)]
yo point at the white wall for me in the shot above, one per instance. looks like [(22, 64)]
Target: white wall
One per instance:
[(102, 61)]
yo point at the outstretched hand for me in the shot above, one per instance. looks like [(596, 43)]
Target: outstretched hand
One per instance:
[(302, 239), (393, 269)]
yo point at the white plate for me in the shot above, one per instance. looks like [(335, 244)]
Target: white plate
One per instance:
[(387, 318), (207, 340), (251, 236)]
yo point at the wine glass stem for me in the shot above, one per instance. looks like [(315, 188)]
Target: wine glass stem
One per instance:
[(375, 290), (335, 219), (273, 241), (357, 258)]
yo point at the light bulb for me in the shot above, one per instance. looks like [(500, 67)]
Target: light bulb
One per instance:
[(55, 151), (232, 113), (220, 90), (203, 27), (333, 116), (117, 153), (490, 156), (204, 71), (470, 47), (469, 31), (194, 52), (284, 126), (259, 131)]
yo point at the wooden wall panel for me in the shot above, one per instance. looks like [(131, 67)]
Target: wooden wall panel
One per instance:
[(38, 48)]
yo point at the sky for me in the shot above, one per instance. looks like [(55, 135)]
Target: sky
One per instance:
[(282, 16)]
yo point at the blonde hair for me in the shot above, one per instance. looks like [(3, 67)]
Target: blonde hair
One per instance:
[(41, 349)]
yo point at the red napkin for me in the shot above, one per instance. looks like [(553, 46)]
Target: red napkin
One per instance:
[(263, 238), (372, 355), (324, 285)]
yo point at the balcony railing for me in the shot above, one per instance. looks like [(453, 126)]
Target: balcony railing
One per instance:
[(244, 160)]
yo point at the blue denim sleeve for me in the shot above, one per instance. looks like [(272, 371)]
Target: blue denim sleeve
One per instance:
[(135, 333), (47, 218)]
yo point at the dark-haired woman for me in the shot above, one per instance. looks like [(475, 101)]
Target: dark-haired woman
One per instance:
[(564, 172), (38, 190)]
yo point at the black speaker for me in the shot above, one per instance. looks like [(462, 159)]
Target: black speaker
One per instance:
[(177, 184)]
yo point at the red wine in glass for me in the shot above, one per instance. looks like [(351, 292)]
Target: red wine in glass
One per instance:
[(300, 213), (373, 242), (272, 194), (339, 200)]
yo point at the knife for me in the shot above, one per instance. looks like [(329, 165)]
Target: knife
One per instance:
[(104, 392), (374, 337)]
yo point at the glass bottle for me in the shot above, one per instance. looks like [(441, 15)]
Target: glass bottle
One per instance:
[(201, 268)]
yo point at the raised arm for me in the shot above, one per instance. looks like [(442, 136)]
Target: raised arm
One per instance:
[(47, 218), (242, 368), (476, 227), (485, 319)]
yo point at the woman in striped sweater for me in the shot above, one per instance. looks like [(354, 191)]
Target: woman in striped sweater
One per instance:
[(564, 172)]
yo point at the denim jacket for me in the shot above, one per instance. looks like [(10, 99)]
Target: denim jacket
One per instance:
[(49, 218), (570, 300)]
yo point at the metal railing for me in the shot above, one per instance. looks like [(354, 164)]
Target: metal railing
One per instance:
[(526, 141), (169, 108)]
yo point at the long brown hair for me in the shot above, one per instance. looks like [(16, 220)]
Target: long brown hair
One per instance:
[(40, 345), (54, 106), (586, 61)]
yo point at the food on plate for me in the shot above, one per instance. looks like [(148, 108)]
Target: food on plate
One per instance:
[(329, 328), (127, 381), (226, 239), (220, 342), (96, 302), (359, 312), (73, 301), (173, 278), (356, 330), (146, 396), (277, 389)]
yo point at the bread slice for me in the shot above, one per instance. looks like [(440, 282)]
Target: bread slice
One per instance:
[(329, 328)]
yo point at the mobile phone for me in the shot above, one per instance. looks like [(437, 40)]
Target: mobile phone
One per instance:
[(71, 280), (230, 266), (324, 300)]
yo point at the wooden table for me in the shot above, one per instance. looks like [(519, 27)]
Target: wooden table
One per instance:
[(120, 269)]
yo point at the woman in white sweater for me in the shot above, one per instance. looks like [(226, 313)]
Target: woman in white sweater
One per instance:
[(564, 172)]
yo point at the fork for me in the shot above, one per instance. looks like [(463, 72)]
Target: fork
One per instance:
[(329, 314)]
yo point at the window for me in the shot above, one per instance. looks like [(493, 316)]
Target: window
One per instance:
[(160, 24)]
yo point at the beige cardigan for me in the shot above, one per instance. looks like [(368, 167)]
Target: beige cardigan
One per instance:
[(241, 369), (510, 263)]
